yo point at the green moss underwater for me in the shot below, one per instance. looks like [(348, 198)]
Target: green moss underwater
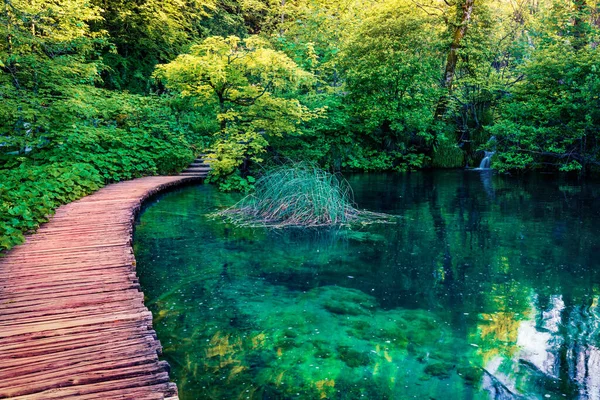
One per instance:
[(484, 288)]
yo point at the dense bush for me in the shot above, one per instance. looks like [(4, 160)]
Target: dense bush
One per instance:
[(61, 136), (448, 155), (552, 120), (29, 194), (108, 138), (31, 190)]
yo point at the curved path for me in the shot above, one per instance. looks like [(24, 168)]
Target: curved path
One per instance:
[(72, 319)]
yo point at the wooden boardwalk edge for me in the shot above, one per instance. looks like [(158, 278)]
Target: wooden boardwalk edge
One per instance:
[(73, 323)]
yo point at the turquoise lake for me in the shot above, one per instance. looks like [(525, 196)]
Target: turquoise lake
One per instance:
[(484, 287)]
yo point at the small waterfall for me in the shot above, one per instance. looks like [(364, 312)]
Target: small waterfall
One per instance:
[(487, 160)]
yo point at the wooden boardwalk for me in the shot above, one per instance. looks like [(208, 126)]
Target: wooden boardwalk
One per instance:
[(72, 319)]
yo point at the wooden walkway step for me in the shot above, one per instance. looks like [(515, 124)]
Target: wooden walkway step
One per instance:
[(72, 318), (199, 167)]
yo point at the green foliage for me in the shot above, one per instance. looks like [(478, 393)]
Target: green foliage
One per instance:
[(412, 161), (145, 33), (60, 137), (392, 69), (86, 160), (512, 160), (235, 183), (346, 84), (447, 155), (486, 68), (247, 82), (299, 195), (572, 166), (366, 159), (47, 44), (552, 118), (29, 194), (47, 55)]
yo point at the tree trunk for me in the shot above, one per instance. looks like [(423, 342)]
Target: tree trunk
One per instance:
[(222, 110), (579, 24), (452, 58), (282, 18)]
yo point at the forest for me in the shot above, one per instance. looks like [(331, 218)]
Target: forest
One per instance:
[(98, 91)]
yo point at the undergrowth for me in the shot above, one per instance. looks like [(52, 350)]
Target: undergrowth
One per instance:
[(33, 186)]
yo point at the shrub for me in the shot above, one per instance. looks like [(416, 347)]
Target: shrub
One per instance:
[(32, 187), (448, 155), (29, 194), (77, 145)]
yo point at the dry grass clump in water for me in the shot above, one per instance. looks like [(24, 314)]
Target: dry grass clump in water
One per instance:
[(299, 195)]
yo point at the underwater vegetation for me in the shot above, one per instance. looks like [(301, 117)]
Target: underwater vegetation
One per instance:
[(329, 342), (487, 288)]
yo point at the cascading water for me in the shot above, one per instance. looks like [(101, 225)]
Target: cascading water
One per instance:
[(485, 163)]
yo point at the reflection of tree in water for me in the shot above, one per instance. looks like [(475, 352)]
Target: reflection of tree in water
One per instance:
[(513, 273), (580, 353), (551, 349), (568, 360)]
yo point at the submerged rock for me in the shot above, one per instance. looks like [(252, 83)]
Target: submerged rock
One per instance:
[(470, 374), (353, 358), (440, 370), (345, 301)]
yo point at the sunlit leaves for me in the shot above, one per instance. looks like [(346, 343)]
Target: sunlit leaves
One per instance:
[(392, 68), (249, 82)]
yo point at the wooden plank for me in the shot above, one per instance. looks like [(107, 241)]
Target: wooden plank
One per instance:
[(21, 369), (72, 318), (24, 267), (8, 330), (72, 290), (99, 388), (73, 341), (65, 314), (132, 393), (31, 337)]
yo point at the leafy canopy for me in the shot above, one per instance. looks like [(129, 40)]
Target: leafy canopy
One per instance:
[(249, 86), (552, 116)]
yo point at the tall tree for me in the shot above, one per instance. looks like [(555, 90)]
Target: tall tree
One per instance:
[(248, 83), (464, 14), (47, 52), (391, 69)]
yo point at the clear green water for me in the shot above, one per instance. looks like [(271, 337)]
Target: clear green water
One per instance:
[(487, 287)]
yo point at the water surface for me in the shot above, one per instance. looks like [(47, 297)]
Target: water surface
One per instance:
[(486, 287)]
